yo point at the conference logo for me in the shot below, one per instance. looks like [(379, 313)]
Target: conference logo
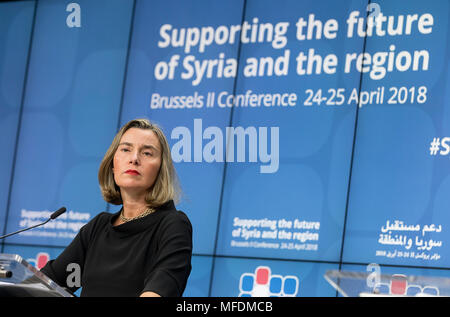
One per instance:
[(262, 283), (40, 260), (397, 284)]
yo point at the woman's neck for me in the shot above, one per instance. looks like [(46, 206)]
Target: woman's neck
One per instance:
[(133, 206), (131, 209)]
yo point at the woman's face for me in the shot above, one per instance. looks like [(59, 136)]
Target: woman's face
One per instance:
[(137, 160)]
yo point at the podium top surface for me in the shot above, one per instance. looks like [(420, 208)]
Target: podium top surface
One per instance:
[(15, 272)]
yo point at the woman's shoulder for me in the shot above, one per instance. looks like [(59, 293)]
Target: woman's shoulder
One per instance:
[(171, 210), (101, 217), (99, 220), (174, 224), (170, 214)]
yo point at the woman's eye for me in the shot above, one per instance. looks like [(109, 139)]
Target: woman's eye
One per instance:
[(148, 154), (124, 150)]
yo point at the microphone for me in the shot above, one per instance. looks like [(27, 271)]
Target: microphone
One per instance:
[(57, 213), (54, 215)]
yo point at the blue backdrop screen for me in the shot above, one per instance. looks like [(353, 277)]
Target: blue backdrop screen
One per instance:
[(307, 135)]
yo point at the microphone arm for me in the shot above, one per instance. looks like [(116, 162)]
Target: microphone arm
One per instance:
[(52, 216)]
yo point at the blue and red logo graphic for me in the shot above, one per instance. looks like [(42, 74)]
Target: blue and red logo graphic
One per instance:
[(399, 286), (40, 260), (262, 283)]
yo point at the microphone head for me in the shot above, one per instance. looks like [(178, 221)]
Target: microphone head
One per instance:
[(58, 213)]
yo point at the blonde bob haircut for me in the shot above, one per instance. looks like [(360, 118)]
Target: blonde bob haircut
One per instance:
[(166, 185)]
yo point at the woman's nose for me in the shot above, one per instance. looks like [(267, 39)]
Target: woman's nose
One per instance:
[(134, 158)]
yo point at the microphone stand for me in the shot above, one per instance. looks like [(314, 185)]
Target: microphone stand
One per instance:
[(53, 216), (18, 231)]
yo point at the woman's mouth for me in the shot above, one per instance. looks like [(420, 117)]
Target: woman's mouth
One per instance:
[(132, 172)]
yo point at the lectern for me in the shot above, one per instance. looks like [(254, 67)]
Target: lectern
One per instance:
[(364, 284), (18, 278)]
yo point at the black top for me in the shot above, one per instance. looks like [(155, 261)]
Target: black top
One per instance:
[(152, 253)]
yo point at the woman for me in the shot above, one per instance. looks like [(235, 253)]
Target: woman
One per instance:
[(144, 249)]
